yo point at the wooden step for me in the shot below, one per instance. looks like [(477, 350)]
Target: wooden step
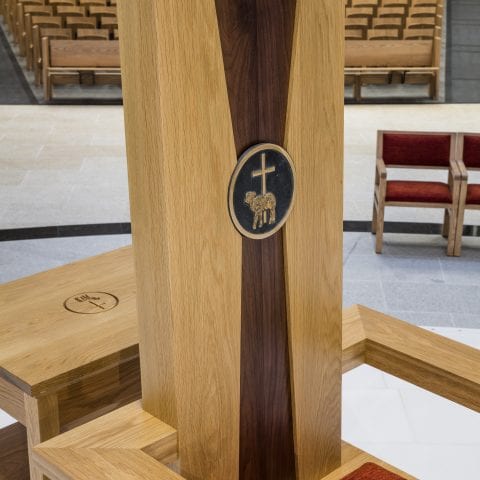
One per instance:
[(126, 444), (132, 444)]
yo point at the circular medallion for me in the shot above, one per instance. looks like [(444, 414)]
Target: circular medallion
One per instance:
[(261, 191), (90, 303)]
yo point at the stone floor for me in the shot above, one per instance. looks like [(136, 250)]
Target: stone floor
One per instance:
[(67, 164)]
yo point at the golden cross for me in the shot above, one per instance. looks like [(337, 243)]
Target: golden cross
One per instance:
[(263, 173)]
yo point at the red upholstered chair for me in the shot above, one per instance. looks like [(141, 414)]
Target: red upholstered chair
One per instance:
[(416, 150), (468, 158)]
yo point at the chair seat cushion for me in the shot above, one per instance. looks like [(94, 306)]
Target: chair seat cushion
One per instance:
[(370, 471), (473, 195), (409, 191)]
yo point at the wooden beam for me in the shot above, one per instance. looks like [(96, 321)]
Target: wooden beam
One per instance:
[(181, 154), (313, 235), (125, 444), (426, 359), (431, 361), (11, 400)]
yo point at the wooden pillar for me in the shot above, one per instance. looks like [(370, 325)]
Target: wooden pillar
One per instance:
[(240, 339)]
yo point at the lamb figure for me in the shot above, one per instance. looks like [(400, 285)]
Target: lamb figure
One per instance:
[(260, 205)]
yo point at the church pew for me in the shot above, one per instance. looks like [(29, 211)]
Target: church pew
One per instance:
[(66, 56)]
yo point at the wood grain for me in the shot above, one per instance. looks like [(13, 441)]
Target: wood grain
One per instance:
[(433, 362), (53, 347), (11, 401), (313, 235), (181, 153), (257, 43), (126, 444), (388, 53), (88, 53), (428, 360), (42, 422), (14, 453)]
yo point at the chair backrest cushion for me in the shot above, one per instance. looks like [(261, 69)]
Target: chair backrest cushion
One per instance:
[(471, 151), (416, 150)]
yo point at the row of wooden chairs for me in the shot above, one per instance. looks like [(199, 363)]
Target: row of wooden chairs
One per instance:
[(393, 41), (59, 20), (12, 10), (389, 34), (380, 12), (391, 3), (456, 153), (58, 28), (394, 23), (96, 17), (93, 59)]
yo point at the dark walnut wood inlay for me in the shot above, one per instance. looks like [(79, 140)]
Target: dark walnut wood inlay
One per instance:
[(257, 39)]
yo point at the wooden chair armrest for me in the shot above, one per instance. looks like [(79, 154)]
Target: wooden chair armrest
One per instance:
[(455, 169), (462, 169), (381, 168)]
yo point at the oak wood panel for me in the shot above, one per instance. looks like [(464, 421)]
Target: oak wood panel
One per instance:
[(14, 453), (42, 422), (98, 394), (257, 43), (128, 443), (181, 153), (53, 347), (433, 362), (11, 400), (313, 235), (353, 339)]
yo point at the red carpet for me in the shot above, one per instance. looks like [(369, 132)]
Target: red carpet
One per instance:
[(370, 471)]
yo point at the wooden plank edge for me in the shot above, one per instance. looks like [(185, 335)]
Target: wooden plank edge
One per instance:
[(415, 355), (117, 431), (12, 400)]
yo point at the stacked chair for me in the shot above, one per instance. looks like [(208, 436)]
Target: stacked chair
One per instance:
[(30, 21), (393, 42), (456, 153)]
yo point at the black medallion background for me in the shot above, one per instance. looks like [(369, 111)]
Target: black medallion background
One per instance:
[(281, 183)]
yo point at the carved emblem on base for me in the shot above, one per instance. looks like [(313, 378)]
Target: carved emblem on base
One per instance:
[(261, 191)]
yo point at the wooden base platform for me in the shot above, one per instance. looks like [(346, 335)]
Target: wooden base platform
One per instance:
[(69, 345), (124, 443), (131, 444)]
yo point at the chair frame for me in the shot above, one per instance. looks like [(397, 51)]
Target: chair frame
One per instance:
[(380, 191), (462, 203)]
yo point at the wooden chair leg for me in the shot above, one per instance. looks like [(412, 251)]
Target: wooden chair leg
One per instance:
[(374, 217), (446, 224), (457, 250), (42, 422), (47, 87), (452, 222), (379, 229), (357, 89)]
